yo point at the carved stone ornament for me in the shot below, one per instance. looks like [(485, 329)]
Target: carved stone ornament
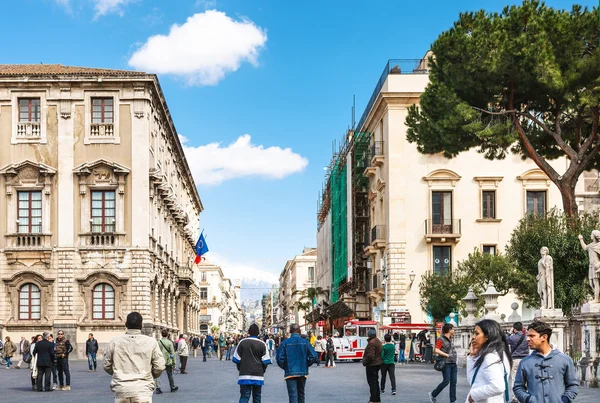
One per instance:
[(28, 173), (101, 172), (13, 287), (86, 288)]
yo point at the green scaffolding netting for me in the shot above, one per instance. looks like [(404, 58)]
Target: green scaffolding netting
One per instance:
[(339, 228)]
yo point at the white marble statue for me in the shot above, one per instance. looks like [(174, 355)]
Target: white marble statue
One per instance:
[(593, 249), (545, 279)]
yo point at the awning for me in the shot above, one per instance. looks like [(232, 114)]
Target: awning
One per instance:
[(338, 310)]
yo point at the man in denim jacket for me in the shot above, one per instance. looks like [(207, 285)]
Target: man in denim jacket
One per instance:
[(294, 356), (545, 375)]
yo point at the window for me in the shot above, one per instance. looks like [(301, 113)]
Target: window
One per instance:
[(311, 274), (204, 293), (29, 302), (102, 110), (30, 212), (203, 276), (29, 110), (489, 249), (441, 259), (103, 302), (536, 202), (489, 204), (103, 211), (441, 212)]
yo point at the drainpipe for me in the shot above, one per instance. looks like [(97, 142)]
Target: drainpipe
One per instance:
[(385, 281)]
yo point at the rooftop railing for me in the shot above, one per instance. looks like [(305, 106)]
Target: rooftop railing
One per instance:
[(394, 66)]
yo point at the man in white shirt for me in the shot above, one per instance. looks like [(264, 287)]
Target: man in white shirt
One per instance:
[(184, 351)]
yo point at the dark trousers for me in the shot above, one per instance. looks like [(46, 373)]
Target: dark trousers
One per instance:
[(62, 365), (329, 362), (450, 373), (43, 373), (318, 359), (247, 390), (182, 362), (388, 369), (372, 380), (204, 354), (169, 371), (295, 388), (54, 373)]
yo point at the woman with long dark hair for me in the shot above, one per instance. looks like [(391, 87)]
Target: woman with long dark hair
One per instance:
[(488, 364)]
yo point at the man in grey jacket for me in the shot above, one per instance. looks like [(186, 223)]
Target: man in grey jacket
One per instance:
[(546, 375)]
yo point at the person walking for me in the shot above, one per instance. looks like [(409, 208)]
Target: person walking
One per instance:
[(24, 347), (388, 365), (204, 347), (209, 342), (63, 349), (271, 347), (488, 364), (195, 345), (402, 348), (54, 365), (372, 362), (294, 356), (445, 348), (251, 358), (222, 345), (91, 348), (518, 350), (9, 350), (44, 357), (133, 374), (546, 375), (319, 350), (330, 347), (183, 351), (168, 351)]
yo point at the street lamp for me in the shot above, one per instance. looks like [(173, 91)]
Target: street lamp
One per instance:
[(412, 276)]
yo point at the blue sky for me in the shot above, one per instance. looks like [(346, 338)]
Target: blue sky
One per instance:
[(283, 73)]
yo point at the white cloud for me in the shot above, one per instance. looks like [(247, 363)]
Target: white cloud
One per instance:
[(202, 50), (213, 164), (241, 271), (104, 7)]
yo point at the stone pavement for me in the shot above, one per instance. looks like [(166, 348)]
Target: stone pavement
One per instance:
[(216, 381)]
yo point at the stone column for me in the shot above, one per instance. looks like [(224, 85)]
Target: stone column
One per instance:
[(140, 162), (66, 159)]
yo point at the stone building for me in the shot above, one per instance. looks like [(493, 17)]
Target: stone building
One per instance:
[(98, 208), (389, 214), (220, 300)]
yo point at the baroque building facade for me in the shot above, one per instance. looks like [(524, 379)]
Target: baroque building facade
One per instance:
[(98, 208)]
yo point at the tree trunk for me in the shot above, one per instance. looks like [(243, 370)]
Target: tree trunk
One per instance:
[(566, 186)]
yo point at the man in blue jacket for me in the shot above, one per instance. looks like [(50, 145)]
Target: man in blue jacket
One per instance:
[(294, 356), (519, 349), (545, 375)]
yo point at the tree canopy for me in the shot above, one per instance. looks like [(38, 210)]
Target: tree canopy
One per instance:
[(526, 80), (442, 294), (478, 269), (559, 233)]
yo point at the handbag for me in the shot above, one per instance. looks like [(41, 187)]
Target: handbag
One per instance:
[(27, 358), (440, 363)]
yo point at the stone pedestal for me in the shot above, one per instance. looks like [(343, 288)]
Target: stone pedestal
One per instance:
[(587, 367), (590, 307), (548, 313)]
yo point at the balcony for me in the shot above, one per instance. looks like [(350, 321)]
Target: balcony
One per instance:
[(442, 230), (101, 240), (102, 130), (377, 153), (378, 237), (29, 130), (28, 241)]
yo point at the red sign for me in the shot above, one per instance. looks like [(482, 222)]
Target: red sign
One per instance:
[(439, 325), (321, 323)]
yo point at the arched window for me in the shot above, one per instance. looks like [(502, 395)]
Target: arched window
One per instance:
[(29, 302), (104, 302)]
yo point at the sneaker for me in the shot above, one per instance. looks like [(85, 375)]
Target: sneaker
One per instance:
[(56, 387), (175, 389), (66, 388), (393, 392), (431, 398), (158, 391)]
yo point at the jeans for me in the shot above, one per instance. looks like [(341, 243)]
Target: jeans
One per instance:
[(295, 388), (92, 361), (62, 365), (449, 373), (388, 369), (204, 354), (228, 355), (318, 359), (8, 362), (246, 390), (401, 358), (372, 380), (43, 373)]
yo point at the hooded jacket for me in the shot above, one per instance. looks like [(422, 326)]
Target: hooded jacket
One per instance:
[(550, 379)]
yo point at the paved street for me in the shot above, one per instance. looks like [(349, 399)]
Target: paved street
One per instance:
[(215, 381)]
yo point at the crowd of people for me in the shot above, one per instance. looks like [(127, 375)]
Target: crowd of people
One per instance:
[(522, 364)]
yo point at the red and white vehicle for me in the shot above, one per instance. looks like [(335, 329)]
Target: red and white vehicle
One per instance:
[(351, 345)]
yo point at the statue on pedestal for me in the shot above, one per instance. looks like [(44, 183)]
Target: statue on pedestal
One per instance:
[(545, 279), (593, 250)]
